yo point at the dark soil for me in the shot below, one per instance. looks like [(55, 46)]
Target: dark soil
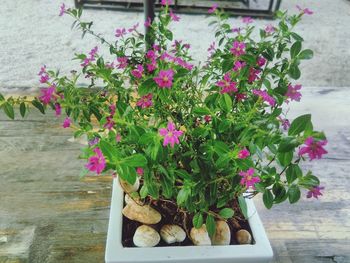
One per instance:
[(172, 215)]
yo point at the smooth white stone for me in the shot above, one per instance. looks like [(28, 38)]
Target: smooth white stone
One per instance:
[(128, 187), (222, 234), (243, 237), (200, 236), (172, 233), (146, 236), (143, 214)]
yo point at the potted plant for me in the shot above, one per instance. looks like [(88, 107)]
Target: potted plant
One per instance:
[(189, 145)]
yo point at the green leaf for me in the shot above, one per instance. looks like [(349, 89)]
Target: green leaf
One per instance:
[(293, 194), (287, 144), (226, 213), (8, 109), (225, 102), (136, 160), (201, 111), (22, 109), (243, 205), (296, 36), (197, 220), (183, 174), (39, 106), (210, 224), (306, 54), (168, 34), (111, 153), (293, 172), (280, 193), (183, 195), (294, 71), (299, 124), (285, 158), (309, 181), (295, 49), (268, 199), (2, 98)]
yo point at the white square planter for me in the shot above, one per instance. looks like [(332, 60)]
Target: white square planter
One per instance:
[(260, 252)]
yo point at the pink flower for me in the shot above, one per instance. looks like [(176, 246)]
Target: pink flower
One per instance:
[(248, 179), (151, 67), (165, 78), (207, 118), (253, 75), (62, 9), (133, 28), (171, 136), (58, 109), (247, 20), (42, 70), (241, 96), (145, 101), (261, 61), (137, 73), (166, 2), (265, 96), (238, 48), (139, 171), (86, 62), (226, 84), (313, 148), (242, 154), (293, 92), (315, 192), (306, 11), (270, 29), (96, 163), (213, 8), (285, 123), (120, 32), (211, 47), (148, 22), (67, 122), (156, 47), (151, 55), (123, 62), (236, 30), (47, 94), (93, 53), (110, 123), (44, 78), (173, 16), (118, 138), (94, 141), (238, 65)]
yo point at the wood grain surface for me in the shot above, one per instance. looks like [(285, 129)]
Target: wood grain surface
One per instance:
[(48, 214)]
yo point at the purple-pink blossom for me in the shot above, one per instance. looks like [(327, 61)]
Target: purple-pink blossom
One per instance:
[(313, 148), (253, 75), (170, 134), (248, 179), (244, 153), (62, 9), (58, 109), (306, 10), (236, 30), (145, 101), (165, 78), (123, 62), (213, 8), (133, 28), (238, 48), (265, 96), (119, 32), (315, 192), (285, 123), (207, 118), (96, 163), (211, 47), (261, 61), (247, 20), (44, 78), (137, 73), (67, 122), (293, 92), (166, 2), (94, 141), (269, 29), (47, 94), (148, 22), (139, 171), (118, 138), (238, 65), (173, 16), (42, 70), (227, 85)]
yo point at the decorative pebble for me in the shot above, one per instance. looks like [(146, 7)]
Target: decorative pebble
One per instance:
[(129, 200), (243, 237), (172, 233), (200, 236), (222, 234), (128, 187), (146, 236), (143, 214)]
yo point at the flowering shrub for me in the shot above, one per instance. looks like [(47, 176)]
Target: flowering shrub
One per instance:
[(200, 136)]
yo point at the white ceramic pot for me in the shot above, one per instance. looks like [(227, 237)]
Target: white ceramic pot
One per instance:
[(260, 252)]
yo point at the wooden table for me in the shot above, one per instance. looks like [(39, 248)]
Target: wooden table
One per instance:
[(47, 214)]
